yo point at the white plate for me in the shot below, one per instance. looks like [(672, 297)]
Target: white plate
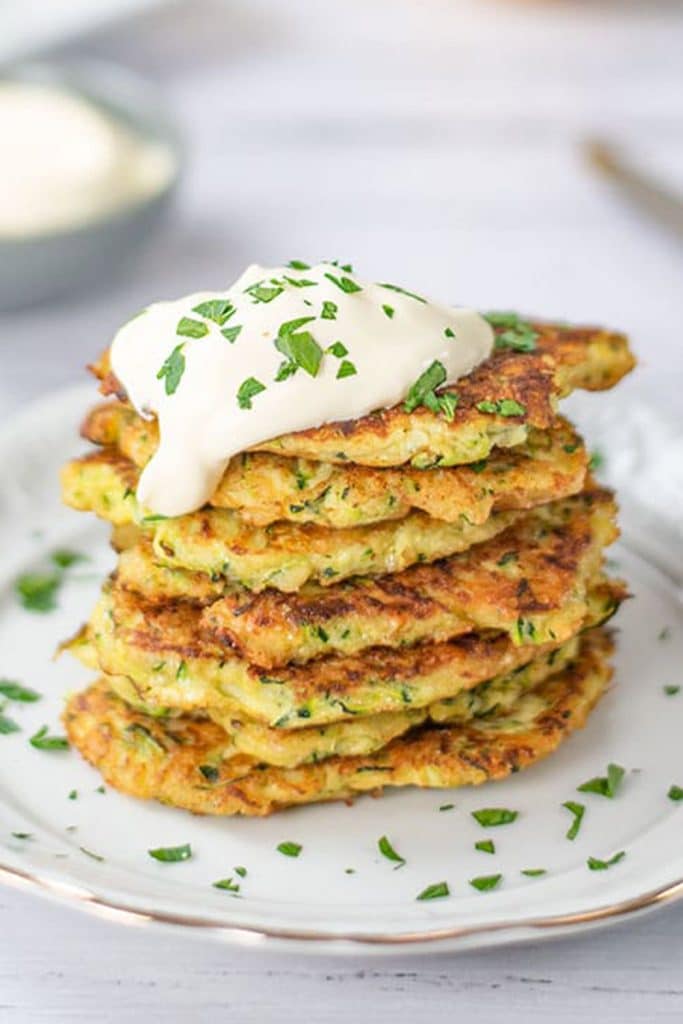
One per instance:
[(290, 902)]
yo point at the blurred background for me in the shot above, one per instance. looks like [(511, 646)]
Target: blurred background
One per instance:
[(440, 143)]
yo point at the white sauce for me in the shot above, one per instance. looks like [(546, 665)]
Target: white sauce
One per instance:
[(66, 163), (201, 423)]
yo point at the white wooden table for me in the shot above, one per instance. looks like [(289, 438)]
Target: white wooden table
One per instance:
[(435, 143)]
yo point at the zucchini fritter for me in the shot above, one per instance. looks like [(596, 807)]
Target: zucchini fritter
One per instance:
[(565, 358), (529, 581), (367, 733), (219, 543), (265, 488), (193, 765), (171, 665)]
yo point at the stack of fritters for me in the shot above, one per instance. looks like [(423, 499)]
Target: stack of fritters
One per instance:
[(403, 599)]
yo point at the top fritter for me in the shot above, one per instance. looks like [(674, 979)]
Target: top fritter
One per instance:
[(315, 351)]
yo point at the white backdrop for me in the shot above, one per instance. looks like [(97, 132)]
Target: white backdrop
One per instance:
[(435, 143)]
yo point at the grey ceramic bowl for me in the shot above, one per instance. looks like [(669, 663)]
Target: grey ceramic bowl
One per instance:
[(45, 267)]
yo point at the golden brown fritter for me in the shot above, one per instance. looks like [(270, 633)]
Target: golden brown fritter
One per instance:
[(529, 581), (170, 664), (265, 488), (217, 542), (193, 765), (365, 734), (565, 358)]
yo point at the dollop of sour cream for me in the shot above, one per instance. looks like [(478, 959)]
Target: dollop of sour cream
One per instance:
[(283, 349)]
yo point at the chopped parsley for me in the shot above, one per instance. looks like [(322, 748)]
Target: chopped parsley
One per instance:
[(672, 691), (73, 795), (330, 310), (227, 884), (503, 407), (489, 817), (517, 334), (93, 856), (605, 785), (449, 332), (664, 633), (533, 872), (172, 370), (595, 864), (42, 740), (344, 283), (299, 347), (675, 793), (299, 265), (210, 773), (289, 849), (171, 854), (485, 846), (346, 369), (338, 349), (436, 891), (261, 292), (597, 460), (242, 872), (387, 850), (388, 311), (15, 691), (22, 835), (231, 333), (446, 807), (485, 882), (64, 558), (401, 291), (217, 310), (422, 391), (8, 725), (300, 282), (505, 559), (37, 591), (247, 390), (189, 328), (578, 810)]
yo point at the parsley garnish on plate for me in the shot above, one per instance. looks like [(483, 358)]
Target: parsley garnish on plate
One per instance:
[(242, 872), (171, 854), (533, 872), (671, 691), (578, 810), (38, 591), (299, 347), (436, 891), (597, 460), (247, 390), (337, 349), (595, 864), (93, 856), (675, 793), (299, 265), (664, 633), (423, 392), (330, 310), (485, 846), (15, 691), (485, 882), (289, 849), (228, 884), (446, 807), (489, 817), (22, 835), (605, 785), (172, 370), (8, 725), (388, 311), (387, 850), (261, 292), (64, 558), (42, 740), (73, 795)]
